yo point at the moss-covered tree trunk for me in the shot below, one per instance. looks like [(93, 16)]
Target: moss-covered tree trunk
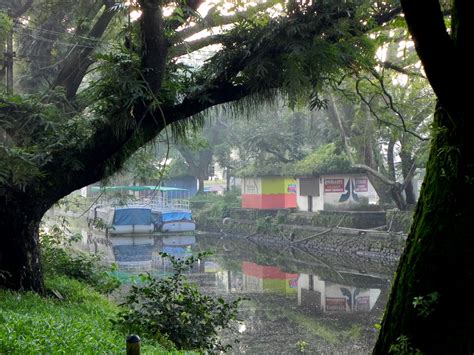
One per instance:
[(430, 307)]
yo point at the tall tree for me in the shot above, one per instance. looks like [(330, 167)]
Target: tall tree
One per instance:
[(197, 151), (374, 117), (426, 312)]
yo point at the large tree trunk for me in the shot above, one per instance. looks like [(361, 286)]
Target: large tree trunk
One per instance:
[(200, 185), (430, 307), (20, 266)]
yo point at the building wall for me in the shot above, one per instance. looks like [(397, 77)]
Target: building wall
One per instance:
[(278, 185), (268, 193), (303, 201), (269, 201), (251, 186), (183, 182), (340, 192)]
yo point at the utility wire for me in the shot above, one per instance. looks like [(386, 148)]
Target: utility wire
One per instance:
[(46, 31)]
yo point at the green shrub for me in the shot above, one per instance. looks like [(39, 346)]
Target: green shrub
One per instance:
[(58, 258), (172, 308), (215, 206)]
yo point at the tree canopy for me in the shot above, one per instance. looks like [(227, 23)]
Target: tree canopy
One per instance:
[(108, 85), (86, 86)]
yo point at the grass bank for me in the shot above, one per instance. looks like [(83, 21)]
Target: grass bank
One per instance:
[(79, 323)]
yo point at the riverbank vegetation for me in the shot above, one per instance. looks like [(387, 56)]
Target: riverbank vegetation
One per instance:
[(177, 311), (78, 315)]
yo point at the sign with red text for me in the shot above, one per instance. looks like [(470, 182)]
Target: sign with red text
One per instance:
[(361, 185), (333, 185)]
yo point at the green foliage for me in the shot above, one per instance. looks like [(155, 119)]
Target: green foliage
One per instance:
[(77, 324), (120, 88), (35, 130), (142, 166), (74, 203), (264, 224), (6, 26), (403, 347), (324, 160), (297, 54), (178, 168), (59, 259), (424, 305), (268, 169), (214, 206), (302, 345), (280, 217), (176, 310)]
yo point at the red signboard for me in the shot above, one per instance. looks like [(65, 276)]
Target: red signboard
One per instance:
[(361, 185), (333, 185)]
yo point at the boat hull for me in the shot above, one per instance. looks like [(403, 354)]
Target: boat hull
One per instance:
[(179, 226)]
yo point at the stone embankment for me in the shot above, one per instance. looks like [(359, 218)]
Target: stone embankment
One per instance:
[(364, 234)]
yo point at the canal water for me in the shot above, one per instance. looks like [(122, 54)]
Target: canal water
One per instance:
[(299, 300)]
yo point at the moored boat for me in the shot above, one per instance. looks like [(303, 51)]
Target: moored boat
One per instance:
[(162, 215)]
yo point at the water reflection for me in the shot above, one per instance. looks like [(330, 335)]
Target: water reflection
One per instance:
[(298, 299), (133, 254), (317, 295)]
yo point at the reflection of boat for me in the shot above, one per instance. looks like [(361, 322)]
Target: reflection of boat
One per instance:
[(179, 246), (167, 212), (179, 240), (133, 253)]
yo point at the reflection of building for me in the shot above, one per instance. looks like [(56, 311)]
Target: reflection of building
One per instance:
[(268, 192), (230, 281), (260, 278), (334, 192), (316, 295)]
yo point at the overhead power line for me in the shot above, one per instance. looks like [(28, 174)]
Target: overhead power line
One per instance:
[(73, 40)]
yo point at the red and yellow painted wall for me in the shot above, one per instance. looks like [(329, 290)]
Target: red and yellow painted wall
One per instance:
[(269, 192)]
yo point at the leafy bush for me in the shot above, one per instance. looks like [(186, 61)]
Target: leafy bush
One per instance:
[(215, 205), (59, 259), (174, 309)]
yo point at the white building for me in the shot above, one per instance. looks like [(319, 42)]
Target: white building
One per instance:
[(334, 192)]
